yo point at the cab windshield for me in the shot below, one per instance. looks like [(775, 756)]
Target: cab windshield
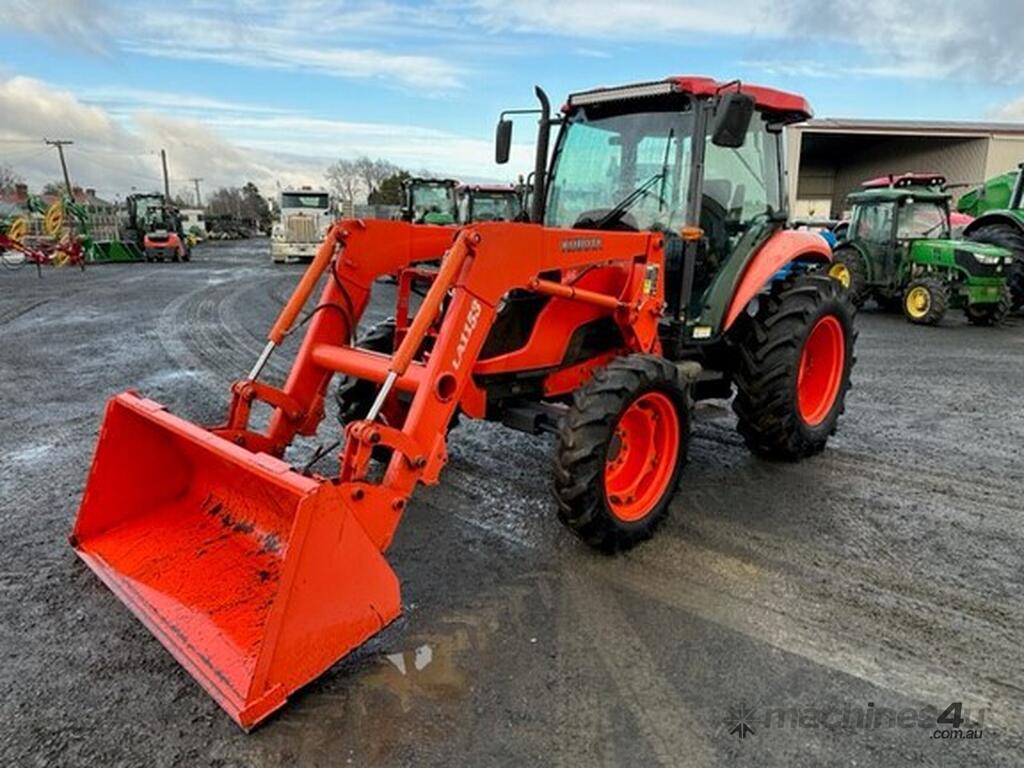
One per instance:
[(625, 171), (432, 204), (922, 219), (492, 206), (310, 200)]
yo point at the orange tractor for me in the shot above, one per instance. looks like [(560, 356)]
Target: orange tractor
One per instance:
[(656, 270)]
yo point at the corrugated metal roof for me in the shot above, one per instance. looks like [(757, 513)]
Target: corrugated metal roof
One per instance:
[(933, 127)]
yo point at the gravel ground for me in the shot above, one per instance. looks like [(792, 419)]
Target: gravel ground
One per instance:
[(885, 574)]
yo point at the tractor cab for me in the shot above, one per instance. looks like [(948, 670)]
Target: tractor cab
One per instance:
[(899, 250), (430, 201), (488, 202), (887, 220), (696, 160)]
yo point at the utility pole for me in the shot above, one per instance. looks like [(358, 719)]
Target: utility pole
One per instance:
[(199, 200), (60, 144), (167, 181)]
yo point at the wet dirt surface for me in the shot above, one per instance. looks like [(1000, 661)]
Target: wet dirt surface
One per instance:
[(886, 574)]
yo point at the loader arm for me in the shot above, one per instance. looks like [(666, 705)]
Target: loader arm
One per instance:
[(483, 265), (258, 577)]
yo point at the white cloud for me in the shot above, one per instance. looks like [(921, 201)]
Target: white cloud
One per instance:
[(974, 41), (614, 19), (116, 147), (260, 34), (1012, 112), (81, 23)]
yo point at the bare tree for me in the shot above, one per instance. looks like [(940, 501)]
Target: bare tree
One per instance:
[(346, 179), (373, 172), (184, 197), (9, 178)]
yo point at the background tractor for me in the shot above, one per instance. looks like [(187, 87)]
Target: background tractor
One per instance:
[(488, 202), (898, 251), (156, 227), (998, 208), (657, 268), (430, 201)]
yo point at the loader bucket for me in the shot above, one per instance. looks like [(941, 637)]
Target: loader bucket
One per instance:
[(255, 577)]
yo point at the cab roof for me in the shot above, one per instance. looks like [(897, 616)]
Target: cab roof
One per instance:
[(503, 188), (896, 194), (790, 106)]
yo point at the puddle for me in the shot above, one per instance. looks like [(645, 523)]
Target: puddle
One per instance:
[(431, 671), (405, 700)]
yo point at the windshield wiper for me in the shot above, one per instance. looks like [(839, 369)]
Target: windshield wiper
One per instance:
[(616, 213)]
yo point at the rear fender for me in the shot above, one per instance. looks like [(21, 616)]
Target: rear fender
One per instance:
[(998, 217), (782, 248)]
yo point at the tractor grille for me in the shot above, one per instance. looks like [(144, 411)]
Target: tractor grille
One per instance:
[(974, 267), (301, 229)]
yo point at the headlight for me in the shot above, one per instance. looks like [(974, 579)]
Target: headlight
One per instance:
[(992, 261)]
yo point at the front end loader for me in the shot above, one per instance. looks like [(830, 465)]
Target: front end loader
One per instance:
[(656, 269)]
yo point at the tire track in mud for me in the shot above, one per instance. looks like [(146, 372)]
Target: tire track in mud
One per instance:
[(885, 470), (835, 628), (20, 308), (203, 333), (582, 716), (659, 713), (875, 619)]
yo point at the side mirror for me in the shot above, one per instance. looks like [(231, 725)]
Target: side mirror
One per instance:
[(732, 120), (503, 142)]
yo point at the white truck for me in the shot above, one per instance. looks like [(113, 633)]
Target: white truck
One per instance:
[(303, 217)]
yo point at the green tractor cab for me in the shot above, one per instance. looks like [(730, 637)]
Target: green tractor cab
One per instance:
[(430, 201), (899, 252), (998, 206)]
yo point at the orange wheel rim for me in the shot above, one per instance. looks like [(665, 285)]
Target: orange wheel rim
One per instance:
[(642, 456), (821, 370)]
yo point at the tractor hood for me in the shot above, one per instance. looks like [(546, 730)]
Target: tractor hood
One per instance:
[(981, 252), (976, 260)]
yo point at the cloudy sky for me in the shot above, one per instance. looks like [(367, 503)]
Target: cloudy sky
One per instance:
[(272, 91)]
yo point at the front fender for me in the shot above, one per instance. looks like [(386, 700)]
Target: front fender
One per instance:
[(782, 248)]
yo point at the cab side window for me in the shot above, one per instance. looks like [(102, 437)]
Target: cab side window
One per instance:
[(874, 223)]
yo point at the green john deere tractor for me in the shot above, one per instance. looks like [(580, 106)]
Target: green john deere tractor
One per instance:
[(430, 201), (898, 251), (998, 208)]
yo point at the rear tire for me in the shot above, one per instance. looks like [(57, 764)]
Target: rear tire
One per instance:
[(989, 314), (784, 411), (925, 301), (1012, 239), (621, 451), (855, 278)]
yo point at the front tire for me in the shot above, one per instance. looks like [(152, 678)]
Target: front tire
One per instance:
[(990, 314), (793, 372), (925, 301), (621, 451)]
